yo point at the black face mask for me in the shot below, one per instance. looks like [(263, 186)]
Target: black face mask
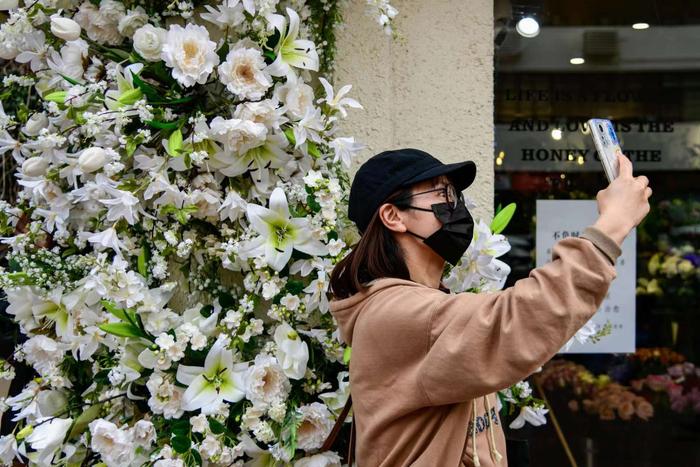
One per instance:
[(455, 235)]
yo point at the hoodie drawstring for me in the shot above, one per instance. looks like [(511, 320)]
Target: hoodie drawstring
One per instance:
[(495, 455), (475, 454)]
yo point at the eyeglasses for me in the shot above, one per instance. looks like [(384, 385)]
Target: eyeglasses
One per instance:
[(452, 196)]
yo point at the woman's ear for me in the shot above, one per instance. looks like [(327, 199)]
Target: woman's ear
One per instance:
[(392, 217)]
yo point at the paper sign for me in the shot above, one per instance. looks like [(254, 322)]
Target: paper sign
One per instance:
[(558, 219)]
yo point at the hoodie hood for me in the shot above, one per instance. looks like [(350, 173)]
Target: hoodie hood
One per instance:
[(347, 310)]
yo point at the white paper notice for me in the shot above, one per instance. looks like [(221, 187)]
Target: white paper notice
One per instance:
[(557, 219)]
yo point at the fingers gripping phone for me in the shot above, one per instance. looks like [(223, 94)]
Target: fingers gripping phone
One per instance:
[(607, 145)]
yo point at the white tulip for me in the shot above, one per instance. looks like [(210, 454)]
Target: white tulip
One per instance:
[(35, 166), (37, 122), (92, 159), (64, 28)]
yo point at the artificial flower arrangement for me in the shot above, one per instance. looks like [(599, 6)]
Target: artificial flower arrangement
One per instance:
[(597, 395), (678, 387), (182, 203), (673, 272)]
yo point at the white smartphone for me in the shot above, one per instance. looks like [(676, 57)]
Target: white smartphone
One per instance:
[(607, 145)]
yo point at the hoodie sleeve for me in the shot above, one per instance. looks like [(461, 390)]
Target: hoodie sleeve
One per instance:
[(481, 343)]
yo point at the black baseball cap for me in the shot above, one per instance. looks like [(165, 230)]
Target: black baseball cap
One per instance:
[(384, 173)]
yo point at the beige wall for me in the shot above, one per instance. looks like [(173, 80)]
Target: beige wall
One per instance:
[(431, 89)]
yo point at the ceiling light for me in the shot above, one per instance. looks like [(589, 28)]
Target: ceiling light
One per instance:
[(528, 27), (577, 61), (640, 26), (556, 134)]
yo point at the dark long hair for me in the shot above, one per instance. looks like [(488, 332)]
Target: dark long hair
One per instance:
[(375, 255)]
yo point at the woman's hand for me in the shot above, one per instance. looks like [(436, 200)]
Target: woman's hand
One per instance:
[(624, 203)]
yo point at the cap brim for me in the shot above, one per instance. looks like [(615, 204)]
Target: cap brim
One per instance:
[(462, 174)]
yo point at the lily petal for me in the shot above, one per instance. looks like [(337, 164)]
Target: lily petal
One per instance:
[(276, 258), (186, 374), (199, 394), (278, 203), (259, 217)]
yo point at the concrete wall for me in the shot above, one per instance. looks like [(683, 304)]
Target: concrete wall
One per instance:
[(431, 89)]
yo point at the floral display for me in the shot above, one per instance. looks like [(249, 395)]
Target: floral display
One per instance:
[(596, 395), (183, 200), (677, 388)]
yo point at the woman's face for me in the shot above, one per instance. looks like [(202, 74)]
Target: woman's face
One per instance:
[(425, 223)]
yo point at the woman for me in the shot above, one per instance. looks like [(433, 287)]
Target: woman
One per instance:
[(426, 363)]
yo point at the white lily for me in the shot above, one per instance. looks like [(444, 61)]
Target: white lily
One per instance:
[(219, 380), (55, 310), (280, 233), (291, 52), (292, 352), (532, 415), (338, 102), (46, 438), (107, 239), (337, 399), (126, 93), (582, 335)]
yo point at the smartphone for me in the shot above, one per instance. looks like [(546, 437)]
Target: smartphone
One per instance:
[(607, 145)]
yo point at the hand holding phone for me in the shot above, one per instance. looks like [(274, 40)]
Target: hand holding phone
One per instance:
[(607, 145)]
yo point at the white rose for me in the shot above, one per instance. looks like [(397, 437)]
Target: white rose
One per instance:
[(35, 166), (113, 444), (144, 433), (37, 122), (133, 20), (65, 28), (8, 5), (148, 42), (92, 159)]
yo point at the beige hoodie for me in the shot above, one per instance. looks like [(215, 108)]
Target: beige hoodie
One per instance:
[(426, 364)]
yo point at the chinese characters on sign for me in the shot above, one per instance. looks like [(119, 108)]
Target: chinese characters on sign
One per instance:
[(559, 219)]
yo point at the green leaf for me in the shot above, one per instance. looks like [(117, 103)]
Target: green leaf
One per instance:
[(346, 354), (313, 149), (206, 311), (289, 133), (142, 261), (223, 51), (131, 145), (226, 300), (116, 311), (70, 80), (175, 143), (122, 54), (122, 329), (180, 427), (501, 220), (56, 96), (130, 96), (181, 100), (85, 417), (162, 125), (216, 427), (150, 91), (181, 444)]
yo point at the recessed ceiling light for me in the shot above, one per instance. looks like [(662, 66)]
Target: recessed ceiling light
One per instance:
[(556, 134), (528, 27), (577, 61), (640, 26)]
